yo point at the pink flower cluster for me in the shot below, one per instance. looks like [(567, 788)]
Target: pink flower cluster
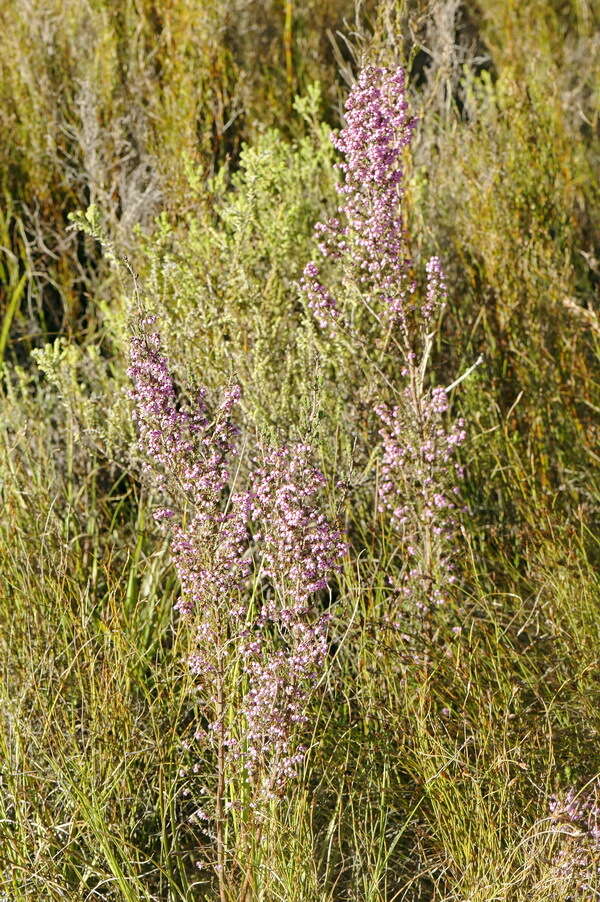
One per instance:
[(281, 643), (435, 294), (298, 549), (366, 248), (186, 453), (576, 820), (298, 545), (275, 705), (419, 488), (367, 235)]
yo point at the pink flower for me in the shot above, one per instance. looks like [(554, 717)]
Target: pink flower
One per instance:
[(282, 649), (367, 236)]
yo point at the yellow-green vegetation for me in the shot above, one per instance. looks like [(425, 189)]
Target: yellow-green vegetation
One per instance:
[(196, 135)]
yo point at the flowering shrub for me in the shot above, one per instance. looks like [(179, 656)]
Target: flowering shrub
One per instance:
[(256, 663), (366, 249)]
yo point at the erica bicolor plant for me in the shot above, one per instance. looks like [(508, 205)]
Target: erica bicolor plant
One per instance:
[(249, 564), (364, 251)]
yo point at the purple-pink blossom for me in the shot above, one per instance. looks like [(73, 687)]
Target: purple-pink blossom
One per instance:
[(418, 486), (298, 550), (365, 253), (298, 547), (366, 237), (279, 642), (274, 707), (187, 452)]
